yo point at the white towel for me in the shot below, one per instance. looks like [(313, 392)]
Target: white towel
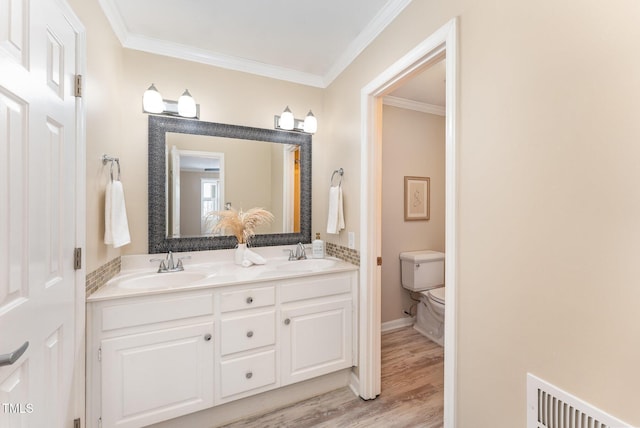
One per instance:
[(253, 257), (116, 226), (249, 258), (335, 222)]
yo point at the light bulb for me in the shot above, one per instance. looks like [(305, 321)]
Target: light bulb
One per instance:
[(286, 120), (186, 105), (152, 100), (310, 123)]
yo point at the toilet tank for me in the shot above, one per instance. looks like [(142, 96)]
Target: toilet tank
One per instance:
[(422, 270)]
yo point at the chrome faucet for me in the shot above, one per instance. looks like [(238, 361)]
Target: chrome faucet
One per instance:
[(300, 253), (167, 264)]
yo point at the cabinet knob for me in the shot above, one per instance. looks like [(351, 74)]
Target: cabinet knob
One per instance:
[(249, 333), (207, 337), (249, 300), (249, 375), (287, 321)]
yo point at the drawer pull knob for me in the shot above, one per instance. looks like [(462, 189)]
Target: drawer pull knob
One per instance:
[(207, 337), (249, 375), (287, 321), (249, 333), (249, 300)]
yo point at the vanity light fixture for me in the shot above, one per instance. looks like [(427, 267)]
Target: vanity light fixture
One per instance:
[(310, 123), (287, 122), (152, 102)]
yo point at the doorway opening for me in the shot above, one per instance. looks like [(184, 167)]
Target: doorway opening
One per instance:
[(441, 44)]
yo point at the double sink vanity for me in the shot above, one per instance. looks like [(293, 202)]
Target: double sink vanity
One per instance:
[(218, 341), (163, 345)]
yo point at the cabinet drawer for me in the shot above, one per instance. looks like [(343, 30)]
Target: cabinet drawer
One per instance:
[(155, 310), (247, 299), (311, 287), (247, 332), (247, 373)]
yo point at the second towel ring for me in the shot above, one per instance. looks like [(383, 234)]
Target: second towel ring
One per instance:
[(340, 172), (105, 159)]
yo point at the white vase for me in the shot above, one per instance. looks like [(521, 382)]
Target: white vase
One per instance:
[(239, 255)]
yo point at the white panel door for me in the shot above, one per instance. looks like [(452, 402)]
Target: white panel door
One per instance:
[(37, 213)]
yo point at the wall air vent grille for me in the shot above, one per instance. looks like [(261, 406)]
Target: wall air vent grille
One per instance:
[(550, 407)]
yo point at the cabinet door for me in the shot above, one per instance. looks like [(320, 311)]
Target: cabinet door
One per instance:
[(316, 340), (155, 376)]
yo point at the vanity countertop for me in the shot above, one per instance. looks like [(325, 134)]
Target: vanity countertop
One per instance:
[(206, 269)]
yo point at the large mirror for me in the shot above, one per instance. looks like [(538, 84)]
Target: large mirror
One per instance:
[(196, 168)]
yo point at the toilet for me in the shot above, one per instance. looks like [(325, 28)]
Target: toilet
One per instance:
[(423, 272)]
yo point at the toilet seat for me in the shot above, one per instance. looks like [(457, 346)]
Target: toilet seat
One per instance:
[(436, 294)]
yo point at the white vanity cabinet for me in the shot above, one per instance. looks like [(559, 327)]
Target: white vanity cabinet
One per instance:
[(150, 359), (317, 327), (156, 356)]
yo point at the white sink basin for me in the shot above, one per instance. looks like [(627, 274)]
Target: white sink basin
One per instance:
[(307, 265), (161, 280)]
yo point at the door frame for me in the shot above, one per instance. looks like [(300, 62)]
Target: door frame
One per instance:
[(441, 43), (78, 396)]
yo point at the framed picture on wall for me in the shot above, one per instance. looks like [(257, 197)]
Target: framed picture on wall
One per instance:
[(416, 198)]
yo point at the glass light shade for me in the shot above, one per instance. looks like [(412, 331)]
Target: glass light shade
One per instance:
[(152, 100), (286, 120), (186, 105), (310, 123)]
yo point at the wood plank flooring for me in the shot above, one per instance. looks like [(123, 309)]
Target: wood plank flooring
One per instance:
[(412, 393)]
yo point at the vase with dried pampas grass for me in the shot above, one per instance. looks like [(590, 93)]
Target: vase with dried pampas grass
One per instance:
[(242, 225)]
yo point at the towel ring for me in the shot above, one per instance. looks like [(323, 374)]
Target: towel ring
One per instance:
[(340, 172), (117, 161), (107, 158)]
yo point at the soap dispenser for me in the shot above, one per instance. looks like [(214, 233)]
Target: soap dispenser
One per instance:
[(318, 247)]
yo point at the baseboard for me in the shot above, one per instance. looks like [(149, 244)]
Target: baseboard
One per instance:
[(396, 324), (354, 384)]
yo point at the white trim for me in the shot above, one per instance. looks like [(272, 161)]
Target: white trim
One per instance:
[(383, 18), (443, 41), (396, 324), (78, 383), (189, 53), (413, 105)]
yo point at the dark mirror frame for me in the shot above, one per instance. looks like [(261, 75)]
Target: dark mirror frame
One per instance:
[(158, 128)]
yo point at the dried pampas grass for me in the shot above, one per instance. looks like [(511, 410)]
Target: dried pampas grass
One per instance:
[(241, 224)]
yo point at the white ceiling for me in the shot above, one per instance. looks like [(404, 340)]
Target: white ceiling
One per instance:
[(302, 41)]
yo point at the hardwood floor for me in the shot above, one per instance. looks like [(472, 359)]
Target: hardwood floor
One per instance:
[(412, 393)]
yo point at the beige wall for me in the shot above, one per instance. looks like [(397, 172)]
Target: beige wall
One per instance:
[(412, 144), (548, 198), (104, 81)]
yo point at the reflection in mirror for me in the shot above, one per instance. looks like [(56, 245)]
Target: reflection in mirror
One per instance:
[(198, 167), (208, 174)]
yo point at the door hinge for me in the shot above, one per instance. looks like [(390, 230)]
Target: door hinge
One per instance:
[(76, 423), (379, 261), (78, 86), (99, 354), (77, 258)]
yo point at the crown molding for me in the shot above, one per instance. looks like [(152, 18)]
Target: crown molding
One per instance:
[(189, 53), (113, 16), (383, 18), (413, 105)]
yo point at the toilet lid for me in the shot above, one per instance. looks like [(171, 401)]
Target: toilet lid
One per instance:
[(437, 294)]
